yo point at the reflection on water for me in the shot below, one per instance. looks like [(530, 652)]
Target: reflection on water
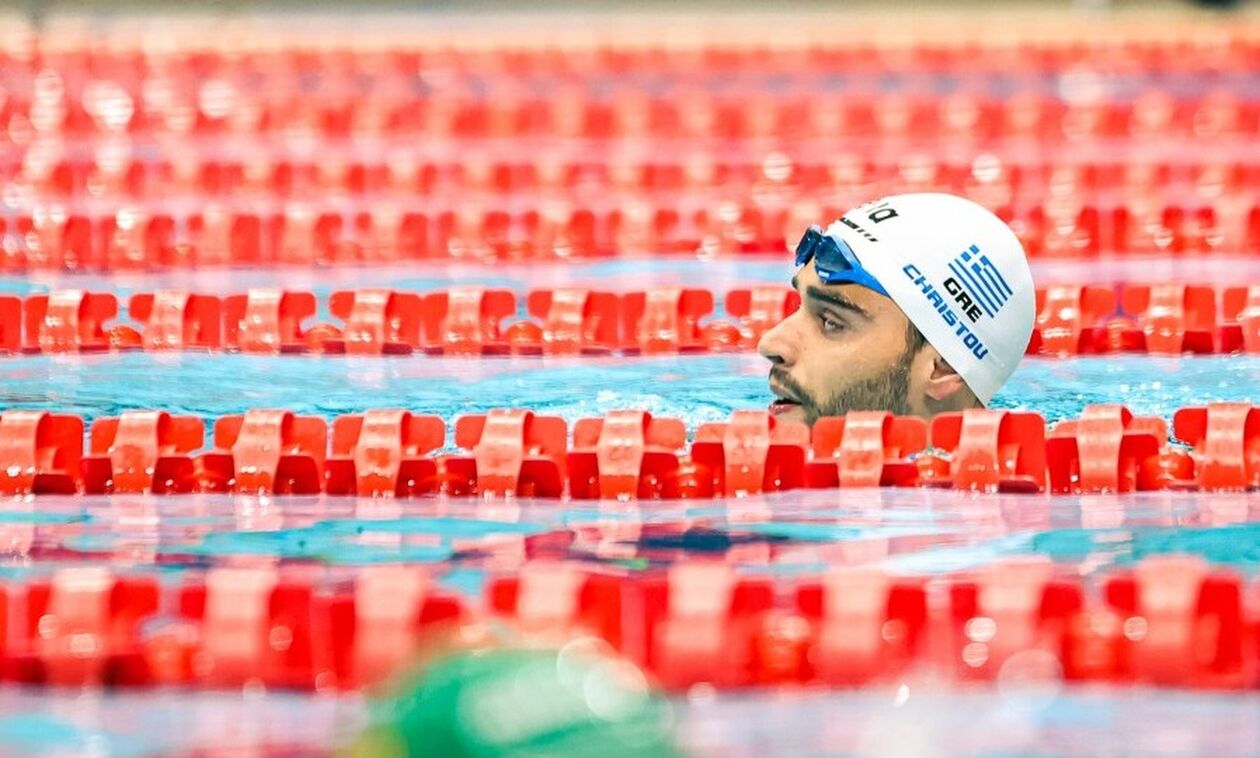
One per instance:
[(918, 531)]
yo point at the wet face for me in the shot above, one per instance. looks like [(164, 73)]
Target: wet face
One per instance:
[(845, 349)]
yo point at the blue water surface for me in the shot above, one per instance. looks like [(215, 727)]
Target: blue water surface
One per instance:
[(694, 388)]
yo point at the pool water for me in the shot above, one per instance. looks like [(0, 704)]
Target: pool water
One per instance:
[(909, 531), (695, 388)]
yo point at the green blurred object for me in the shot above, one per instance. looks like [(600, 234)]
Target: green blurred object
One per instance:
[(571, 702)]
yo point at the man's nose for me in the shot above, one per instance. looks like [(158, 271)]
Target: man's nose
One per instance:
[(778, 344)]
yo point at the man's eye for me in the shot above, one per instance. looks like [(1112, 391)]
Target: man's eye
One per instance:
[(831, 325)]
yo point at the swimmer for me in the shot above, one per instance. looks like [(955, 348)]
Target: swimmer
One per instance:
[(914, 304)]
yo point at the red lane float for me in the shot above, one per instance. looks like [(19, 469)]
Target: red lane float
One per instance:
[(734, 228), (1070, 319), (306, 236), (753, 453), (573, 321), (988, 450), (1226, 440), (643, 227), (218, 237), (1162, 229), (248, 625), (700, 624), (384, 452), (10, 324), (552, 602), (81, 627), (1012, 621), (235, 626), (1173, 318), (759, 309), (1240, 307), (626, 455), (1106, 450), (68, 321), (177, 320), (466, 321), (1181, 623), (134, 239), (1069, 229), (143, 451), (40, 453), (389, 108), (513, 452), (267, 321), (664, 320), (865, 449), (377, 322), (389, 235), (266, 452), (865, 625), (365, 636), (51, 240)]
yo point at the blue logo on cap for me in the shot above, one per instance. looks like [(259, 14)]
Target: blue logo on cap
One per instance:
[(982, 280)]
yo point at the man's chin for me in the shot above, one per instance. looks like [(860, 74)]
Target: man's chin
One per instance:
[(789, 412)]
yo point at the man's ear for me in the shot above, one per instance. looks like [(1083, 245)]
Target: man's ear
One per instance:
[(945, 382)]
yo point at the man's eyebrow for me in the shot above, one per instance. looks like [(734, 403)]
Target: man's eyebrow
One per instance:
[(832, 297)]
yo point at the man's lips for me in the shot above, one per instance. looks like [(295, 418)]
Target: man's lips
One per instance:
[(782, 392), (779, 407), (784, 399)]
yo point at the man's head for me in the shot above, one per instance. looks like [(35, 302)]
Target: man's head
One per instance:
[(915, 304)]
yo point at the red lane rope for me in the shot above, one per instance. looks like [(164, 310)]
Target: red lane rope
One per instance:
[(627, 454), (1167, 620), (1165, 319)]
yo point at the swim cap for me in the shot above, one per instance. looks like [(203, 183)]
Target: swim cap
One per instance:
[(957, 272), (571, 702)]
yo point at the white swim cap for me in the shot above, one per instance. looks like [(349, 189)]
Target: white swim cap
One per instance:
[(957, 272)]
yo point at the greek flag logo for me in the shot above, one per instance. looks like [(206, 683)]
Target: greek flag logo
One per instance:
[(977, 274)]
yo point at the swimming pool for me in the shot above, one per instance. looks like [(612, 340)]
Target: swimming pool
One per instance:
[(692, 142)]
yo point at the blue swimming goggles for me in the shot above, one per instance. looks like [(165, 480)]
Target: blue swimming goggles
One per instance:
[(834, 261)]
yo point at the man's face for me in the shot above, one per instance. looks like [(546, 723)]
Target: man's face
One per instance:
[(844, 350)]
